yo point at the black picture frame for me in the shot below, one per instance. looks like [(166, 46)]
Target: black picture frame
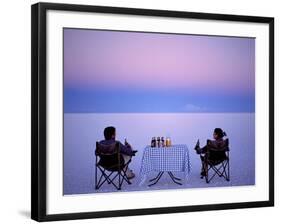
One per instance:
[(39, 121)]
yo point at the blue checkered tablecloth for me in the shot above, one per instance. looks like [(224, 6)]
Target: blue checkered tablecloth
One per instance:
[(174, 158)]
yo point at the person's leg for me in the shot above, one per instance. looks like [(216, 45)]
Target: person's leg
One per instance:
[(200, 150), (202, 157), (205, 168), (129, 172)]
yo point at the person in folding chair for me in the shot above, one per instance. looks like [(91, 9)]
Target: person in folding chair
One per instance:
[(114, 157), (215, 155)]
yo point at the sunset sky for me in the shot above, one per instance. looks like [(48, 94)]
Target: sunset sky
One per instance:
[(136, 72)]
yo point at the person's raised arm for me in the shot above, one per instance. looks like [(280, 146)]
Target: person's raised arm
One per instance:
[(126, 149)]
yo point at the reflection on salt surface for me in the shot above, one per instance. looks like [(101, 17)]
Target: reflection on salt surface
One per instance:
[(81, 131)]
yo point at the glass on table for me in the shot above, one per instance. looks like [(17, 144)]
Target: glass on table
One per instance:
[(168, 141)]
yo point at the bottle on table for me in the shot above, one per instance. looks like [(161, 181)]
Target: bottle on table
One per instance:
[(162, 142), (153, 142), (168, 141), (158, 141)]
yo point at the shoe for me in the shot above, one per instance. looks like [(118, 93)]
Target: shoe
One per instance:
[(203, 173), (131, 175)]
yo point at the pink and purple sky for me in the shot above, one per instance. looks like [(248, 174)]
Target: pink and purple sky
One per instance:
[(118, 71)]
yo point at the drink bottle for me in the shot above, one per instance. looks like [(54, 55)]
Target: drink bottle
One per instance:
[(158, 141), (152, 142), (162, 142)]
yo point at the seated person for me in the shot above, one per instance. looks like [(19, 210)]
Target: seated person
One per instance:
[(126, 150), (216, 145)]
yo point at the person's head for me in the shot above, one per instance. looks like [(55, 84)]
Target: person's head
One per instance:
[(218, 133), (109, 133)]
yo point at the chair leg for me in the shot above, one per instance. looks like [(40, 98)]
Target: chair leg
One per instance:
[(121, 175), (124, 176), (106, 178), (208, 180), (221, 171), (225, 172), (112, 180), (217, 170), (119, 181), (96, 173), (207, 176), (96, 177), (228, 174), (206, 171), (99, 183)]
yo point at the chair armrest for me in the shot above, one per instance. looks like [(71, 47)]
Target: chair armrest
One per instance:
[(225, 149)]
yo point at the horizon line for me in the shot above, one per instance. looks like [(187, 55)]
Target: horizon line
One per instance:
[(243, 112)]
